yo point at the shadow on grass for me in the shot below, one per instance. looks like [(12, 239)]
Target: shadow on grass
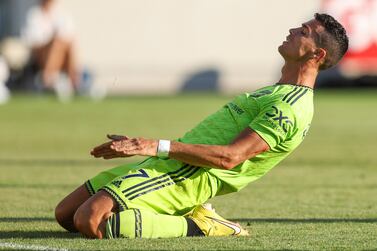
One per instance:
[(34, 234), (26, 219), (38, 235), (308, 220), (251, 220)]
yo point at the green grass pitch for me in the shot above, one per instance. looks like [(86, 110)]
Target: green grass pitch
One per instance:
[(323, 197)]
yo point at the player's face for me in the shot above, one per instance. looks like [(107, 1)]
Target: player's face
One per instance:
[(300, 43)]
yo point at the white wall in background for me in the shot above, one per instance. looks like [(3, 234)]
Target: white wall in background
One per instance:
[(137, 46)]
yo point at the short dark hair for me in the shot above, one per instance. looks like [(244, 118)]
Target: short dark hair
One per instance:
[(334, 40)]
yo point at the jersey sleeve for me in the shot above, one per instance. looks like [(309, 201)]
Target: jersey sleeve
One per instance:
[(274, 124)]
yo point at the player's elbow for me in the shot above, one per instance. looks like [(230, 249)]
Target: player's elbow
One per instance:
[(228, 165), (231, 160), (234, 157)]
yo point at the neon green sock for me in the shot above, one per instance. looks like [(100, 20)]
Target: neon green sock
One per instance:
[(141, 223)]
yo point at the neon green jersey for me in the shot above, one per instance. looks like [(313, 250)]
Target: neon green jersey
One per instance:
[(281, 114)]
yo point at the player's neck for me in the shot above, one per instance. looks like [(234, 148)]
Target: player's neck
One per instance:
[(295, 73)]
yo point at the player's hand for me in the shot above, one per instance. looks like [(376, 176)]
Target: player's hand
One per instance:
[(122, 146), (116, 137)]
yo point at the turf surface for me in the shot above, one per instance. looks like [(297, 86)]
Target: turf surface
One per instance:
[(323, 197)]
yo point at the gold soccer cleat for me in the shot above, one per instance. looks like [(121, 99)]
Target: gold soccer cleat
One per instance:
[(213, 224)]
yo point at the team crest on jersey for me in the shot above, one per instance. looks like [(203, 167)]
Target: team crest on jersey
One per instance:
[(277, 115)]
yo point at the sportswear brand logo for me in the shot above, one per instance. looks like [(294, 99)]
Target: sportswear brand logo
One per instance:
[(295, 95), (305, 132), (117, 183), (235, 228), (277, 115), (261, 93), (236, 108)]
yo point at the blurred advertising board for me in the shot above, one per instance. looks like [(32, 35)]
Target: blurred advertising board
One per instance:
[(359, 17)]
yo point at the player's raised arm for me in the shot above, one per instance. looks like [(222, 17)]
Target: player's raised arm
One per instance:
[(245, 146)]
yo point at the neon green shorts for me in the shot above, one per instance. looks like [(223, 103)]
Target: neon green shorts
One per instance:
[(164, 186)]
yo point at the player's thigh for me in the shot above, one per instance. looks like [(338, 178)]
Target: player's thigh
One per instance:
[(66, 209), (73, 200), (164, 188), (68, 206)]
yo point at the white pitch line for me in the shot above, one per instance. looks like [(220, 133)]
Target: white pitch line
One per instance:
[(28, 247)]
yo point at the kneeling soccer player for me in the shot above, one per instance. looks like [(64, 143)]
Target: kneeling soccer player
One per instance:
[(163, 195)]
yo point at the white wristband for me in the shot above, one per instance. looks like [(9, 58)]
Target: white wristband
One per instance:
[(163, 148)]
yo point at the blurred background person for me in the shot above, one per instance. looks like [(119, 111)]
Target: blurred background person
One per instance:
[(4, 74), (49, 34)]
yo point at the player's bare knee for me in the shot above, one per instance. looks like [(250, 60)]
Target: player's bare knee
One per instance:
[(60, 213), (64, 218), (86, 223), (61, 210), (81, 221)]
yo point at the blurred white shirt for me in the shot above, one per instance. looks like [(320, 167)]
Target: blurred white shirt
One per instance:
[(4, 74), (41, 26)]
